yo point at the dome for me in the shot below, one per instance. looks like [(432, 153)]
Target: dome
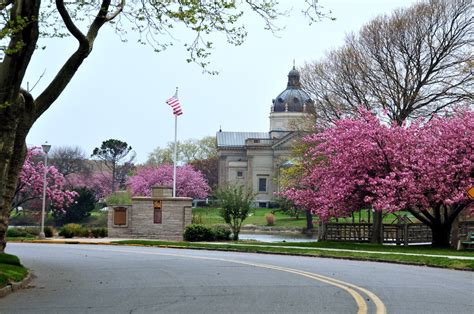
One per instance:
[(293, 98)]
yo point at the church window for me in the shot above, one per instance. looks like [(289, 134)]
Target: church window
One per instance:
[(262, 184)]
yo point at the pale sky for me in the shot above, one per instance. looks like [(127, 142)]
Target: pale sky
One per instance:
[(121, 88)]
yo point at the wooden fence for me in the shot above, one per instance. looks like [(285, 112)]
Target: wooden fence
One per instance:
[(362, 232)]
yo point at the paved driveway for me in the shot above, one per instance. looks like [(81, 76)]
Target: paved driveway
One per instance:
[(121, 279)]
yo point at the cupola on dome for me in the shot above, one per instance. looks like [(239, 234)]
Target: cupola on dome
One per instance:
[(293, 98)]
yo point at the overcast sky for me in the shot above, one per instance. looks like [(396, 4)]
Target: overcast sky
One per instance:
[(120, 90)]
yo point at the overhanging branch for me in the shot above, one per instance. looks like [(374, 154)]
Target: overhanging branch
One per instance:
[(71, 27), (117, 12)]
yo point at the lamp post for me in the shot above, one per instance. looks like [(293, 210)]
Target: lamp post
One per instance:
[(46, 147)]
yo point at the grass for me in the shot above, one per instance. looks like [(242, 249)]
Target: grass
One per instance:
[(413, 249), (11, 269), (21, 239), (311, 249), (210, 216)]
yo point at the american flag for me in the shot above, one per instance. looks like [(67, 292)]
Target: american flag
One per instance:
[(174, 103)]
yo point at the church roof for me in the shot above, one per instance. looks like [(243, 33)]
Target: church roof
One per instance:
[(236, 139), (293, 98)]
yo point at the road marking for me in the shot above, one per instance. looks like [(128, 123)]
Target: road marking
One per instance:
[(348, 287)]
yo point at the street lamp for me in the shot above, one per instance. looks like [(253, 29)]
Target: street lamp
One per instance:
[(46, 147)]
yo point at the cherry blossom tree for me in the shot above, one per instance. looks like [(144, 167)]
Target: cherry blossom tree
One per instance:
[(189, 182), (30, 183), (424, 168), (98, 182)]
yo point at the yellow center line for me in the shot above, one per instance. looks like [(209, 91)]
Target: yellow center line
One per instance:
[(380, 306), (348, 287)]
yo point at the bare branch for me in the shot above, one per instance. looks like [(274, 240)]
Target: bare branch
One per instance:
[(72, 28), (117, 12), (411, 64), (37, 81)]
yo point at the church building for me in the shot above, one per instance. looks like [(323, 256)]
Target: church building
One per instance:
[(254, 159)]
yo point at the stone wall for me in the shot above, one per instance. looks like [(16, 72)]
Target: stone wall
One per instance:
[(175, 216)]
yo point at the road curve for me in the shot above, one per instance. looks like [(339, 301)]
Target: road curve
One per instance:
[(123, 279)]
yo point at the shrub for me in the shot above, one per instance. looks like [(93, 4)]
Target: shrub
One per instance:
[(35, 231), (85, 232), (197, 232), (103, 232), (99, 232), (72, 230), (270, 218), (49, 232), (18, 233), (95, 232), (221, 232), (24, 232)]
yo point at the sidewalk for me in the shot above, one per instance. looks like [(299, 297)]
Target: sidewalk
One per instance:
[(108, 241)]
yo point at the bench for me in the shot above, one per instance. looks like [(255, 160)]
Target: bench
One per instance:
[(468, 242)]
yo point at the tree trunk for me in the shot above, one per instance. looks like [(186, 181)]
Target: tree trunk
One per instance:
[(12, 156), (441, 234), (309, 222), (377, 232), (441, 219), (454, 238), (18, 109)]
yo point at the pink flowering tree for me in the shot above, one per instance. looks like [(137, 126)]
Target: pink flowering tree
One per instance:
[(424, 168), (189, 182), (30, 183), (98, 182)]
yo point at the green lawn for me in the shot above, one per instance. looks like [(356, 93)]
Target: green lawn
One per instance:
[(357, 253), (11, 269), (415, 249), (210, 216)]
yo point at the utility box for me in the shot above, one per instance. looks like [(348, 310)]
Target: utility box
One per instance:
[(160, 216)]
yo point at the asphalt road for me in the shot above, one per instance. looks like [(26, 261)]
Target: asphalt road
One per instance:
[(120, 279)]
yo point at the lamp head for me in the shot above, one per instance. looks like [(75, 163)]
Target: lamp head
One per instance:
[(46, 147)]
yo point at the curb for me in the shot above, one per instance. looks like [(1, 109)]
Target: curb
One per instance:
[(61, 242), (14, 286)]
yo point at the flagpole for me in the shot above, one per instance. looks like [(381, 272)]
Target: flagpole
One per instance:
[(175, 153)]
